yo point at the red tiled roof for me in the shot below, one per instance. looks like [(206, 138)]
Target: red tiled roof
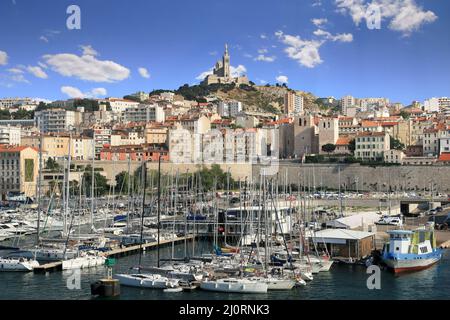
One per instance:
[(444, 157), (9, 148), (343, 141)]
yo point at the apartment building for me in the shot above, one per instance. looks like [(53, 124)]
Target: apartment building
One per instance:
[(18, 170), (293, 103), (371, 146), (229, 108), (10, 135), (56, 120), (144, 113)]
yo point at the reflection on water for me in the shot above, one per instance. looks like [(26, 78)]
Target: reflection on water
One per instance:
[(342, 282)]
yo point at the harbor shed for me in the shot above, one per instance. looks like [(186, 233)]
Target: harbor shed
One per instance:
[(344, 244), (354, 221)]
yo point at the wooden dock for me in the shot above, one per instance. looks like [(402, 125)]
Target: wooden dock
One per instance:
[(120, 252), (48, 267), (115, 253)]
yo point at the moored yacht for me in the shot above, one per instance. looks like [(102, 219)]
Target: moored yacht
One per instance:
[(233, 285), (20, 264)]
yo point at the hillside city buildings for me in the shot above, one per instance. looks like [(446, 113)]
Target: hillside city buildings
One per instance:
[(169, 127)]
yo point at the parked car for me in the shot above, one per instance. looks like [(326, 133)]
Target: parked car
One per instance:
[(440, 222), (390, 220)]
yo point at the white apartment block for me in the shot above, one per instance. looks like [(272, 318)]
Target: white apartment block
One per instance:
[(168, 96), (82, 148), (10, 135), (7, 103), (394, 156), (444, 144), (144, 113), (56, 120), (436, 104), (120, 105), (347, 102), (229, 108), (371, 145)]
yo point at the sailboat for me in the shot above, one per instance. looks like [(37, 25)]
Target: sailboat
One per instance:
[(18, 264), (148, 280), (234, 285)]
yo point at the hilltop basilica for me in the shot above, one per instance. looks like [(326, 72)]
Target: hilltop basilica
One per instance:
[(222, 73)]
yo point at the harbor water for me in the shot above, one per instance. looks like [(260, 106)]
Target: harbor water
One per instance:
[(341, 282)]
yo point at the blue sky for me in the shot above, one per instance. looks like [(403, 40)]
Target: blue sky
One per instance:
[(270, 41)]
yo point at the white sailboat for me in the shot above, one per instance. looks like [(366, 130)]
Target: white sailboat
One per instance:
[(152, 281), (232, 285), (20, 264)]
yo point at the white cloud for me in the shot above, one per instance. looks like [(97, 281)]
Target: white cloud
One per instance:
[(89, 51), (262, 51), (204, 74), (213, 53), (305, 52), (99, 92), (3, 58), (48, 34), (264, 58), (86, 67), (73, 92), (261, 81), (16, 71), (282, 79), (144, 73), (248, 55), (235, 72), (238, 71), (317, 3), (319, 22), (263, 36), (18, 77), (37, 72), (404, 16), (341, 37)]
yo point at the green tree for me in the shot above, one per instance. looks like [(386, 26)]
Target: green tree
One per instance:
[(52, 164), (328, 148), (352, 145), (101, 186), (396, 144), (404, 114)]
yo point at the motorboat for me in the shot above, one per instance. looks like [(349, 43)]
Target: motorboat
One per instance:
[(232, 285)]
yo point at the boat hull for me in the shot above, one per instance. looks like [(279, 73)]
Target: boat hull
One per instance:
[(234, 287), (409, 263)]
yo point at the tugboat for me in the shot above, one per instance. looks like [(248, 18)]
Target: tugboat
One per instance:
[(411, 250)]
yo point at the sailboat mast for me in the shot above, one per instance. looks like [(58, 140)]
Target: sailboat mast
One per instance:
[(92, 181), (159, 203), (144, 175), (66, 211), (39, 190)]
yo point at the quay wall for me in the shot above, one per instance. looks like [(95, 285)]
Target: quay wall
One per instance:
[(364, 178), (111, 168), (353, 176)]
